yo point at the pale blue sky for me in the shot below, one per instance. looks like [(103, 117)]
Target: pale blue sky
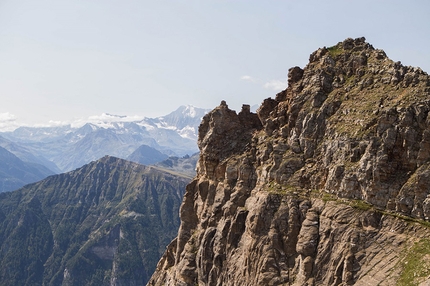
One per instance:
[(67, 59)]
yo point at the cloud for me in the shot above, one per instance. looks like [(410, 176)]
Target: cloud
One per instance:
[(247, 78), (7, 122), (276, 85), (7, 117), (106, 119)]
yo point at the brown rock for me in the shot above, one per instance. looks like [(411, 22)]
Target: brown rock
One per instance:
[(301, 194)]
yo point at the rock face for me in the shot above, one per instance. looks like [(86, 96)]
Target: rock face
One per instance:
[(328, 184)]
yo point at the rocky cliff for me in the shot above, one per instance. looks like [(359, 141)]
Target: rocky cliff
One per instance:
[(328, 184)]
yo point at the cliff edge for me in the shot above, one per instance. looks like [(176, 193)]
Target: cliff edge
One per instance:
[(328, 184)]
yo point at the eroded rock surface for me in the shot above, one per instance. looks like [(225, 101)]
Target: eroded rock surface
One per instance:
[(325, 185)]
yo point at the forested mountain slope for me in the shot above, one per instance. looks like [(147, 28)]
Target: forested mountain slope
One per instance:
[(106, 223)]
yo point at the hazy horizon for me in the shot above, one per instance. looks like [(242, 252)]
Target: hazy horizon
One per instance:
[(70, 60), (101, 119)]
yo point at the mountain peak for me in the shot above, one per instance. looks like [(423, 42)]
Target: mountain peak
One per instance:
[(337, 168), (189, 110), (111, 217)]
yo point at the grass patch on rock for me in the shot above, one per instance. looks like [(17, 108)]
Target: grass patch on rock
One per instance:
[(416, 264), (360, 204), (335, 50)]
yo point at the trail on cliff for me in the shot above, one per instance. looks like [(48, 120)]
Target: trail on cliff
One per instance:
[(328, 184)]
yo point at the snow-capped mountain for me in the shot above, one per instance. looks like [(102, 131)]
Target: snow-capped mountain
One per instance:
[(73, 145), (184, 119)]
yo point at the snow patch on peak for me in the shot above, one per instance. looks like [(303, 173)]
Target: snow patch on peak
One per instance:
[(164, 125), (114, 115), (190, 111), (188, 132), (146, 125)]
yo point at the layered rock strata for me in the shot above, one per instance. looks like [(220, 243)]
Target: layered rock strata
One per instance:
[(328, 184)]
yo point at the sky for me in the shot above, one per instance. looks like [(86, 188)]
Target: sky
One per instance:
[(64, 60)]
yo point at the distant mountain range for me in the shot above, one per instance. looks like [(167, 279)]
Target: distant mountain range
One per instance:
[(106, 223), (146, 155), (183, 165), (65, 148), (15, 173)]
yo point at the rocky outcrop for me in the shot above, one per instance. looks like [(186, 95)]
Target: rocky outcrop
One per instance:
[(328, 184)]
